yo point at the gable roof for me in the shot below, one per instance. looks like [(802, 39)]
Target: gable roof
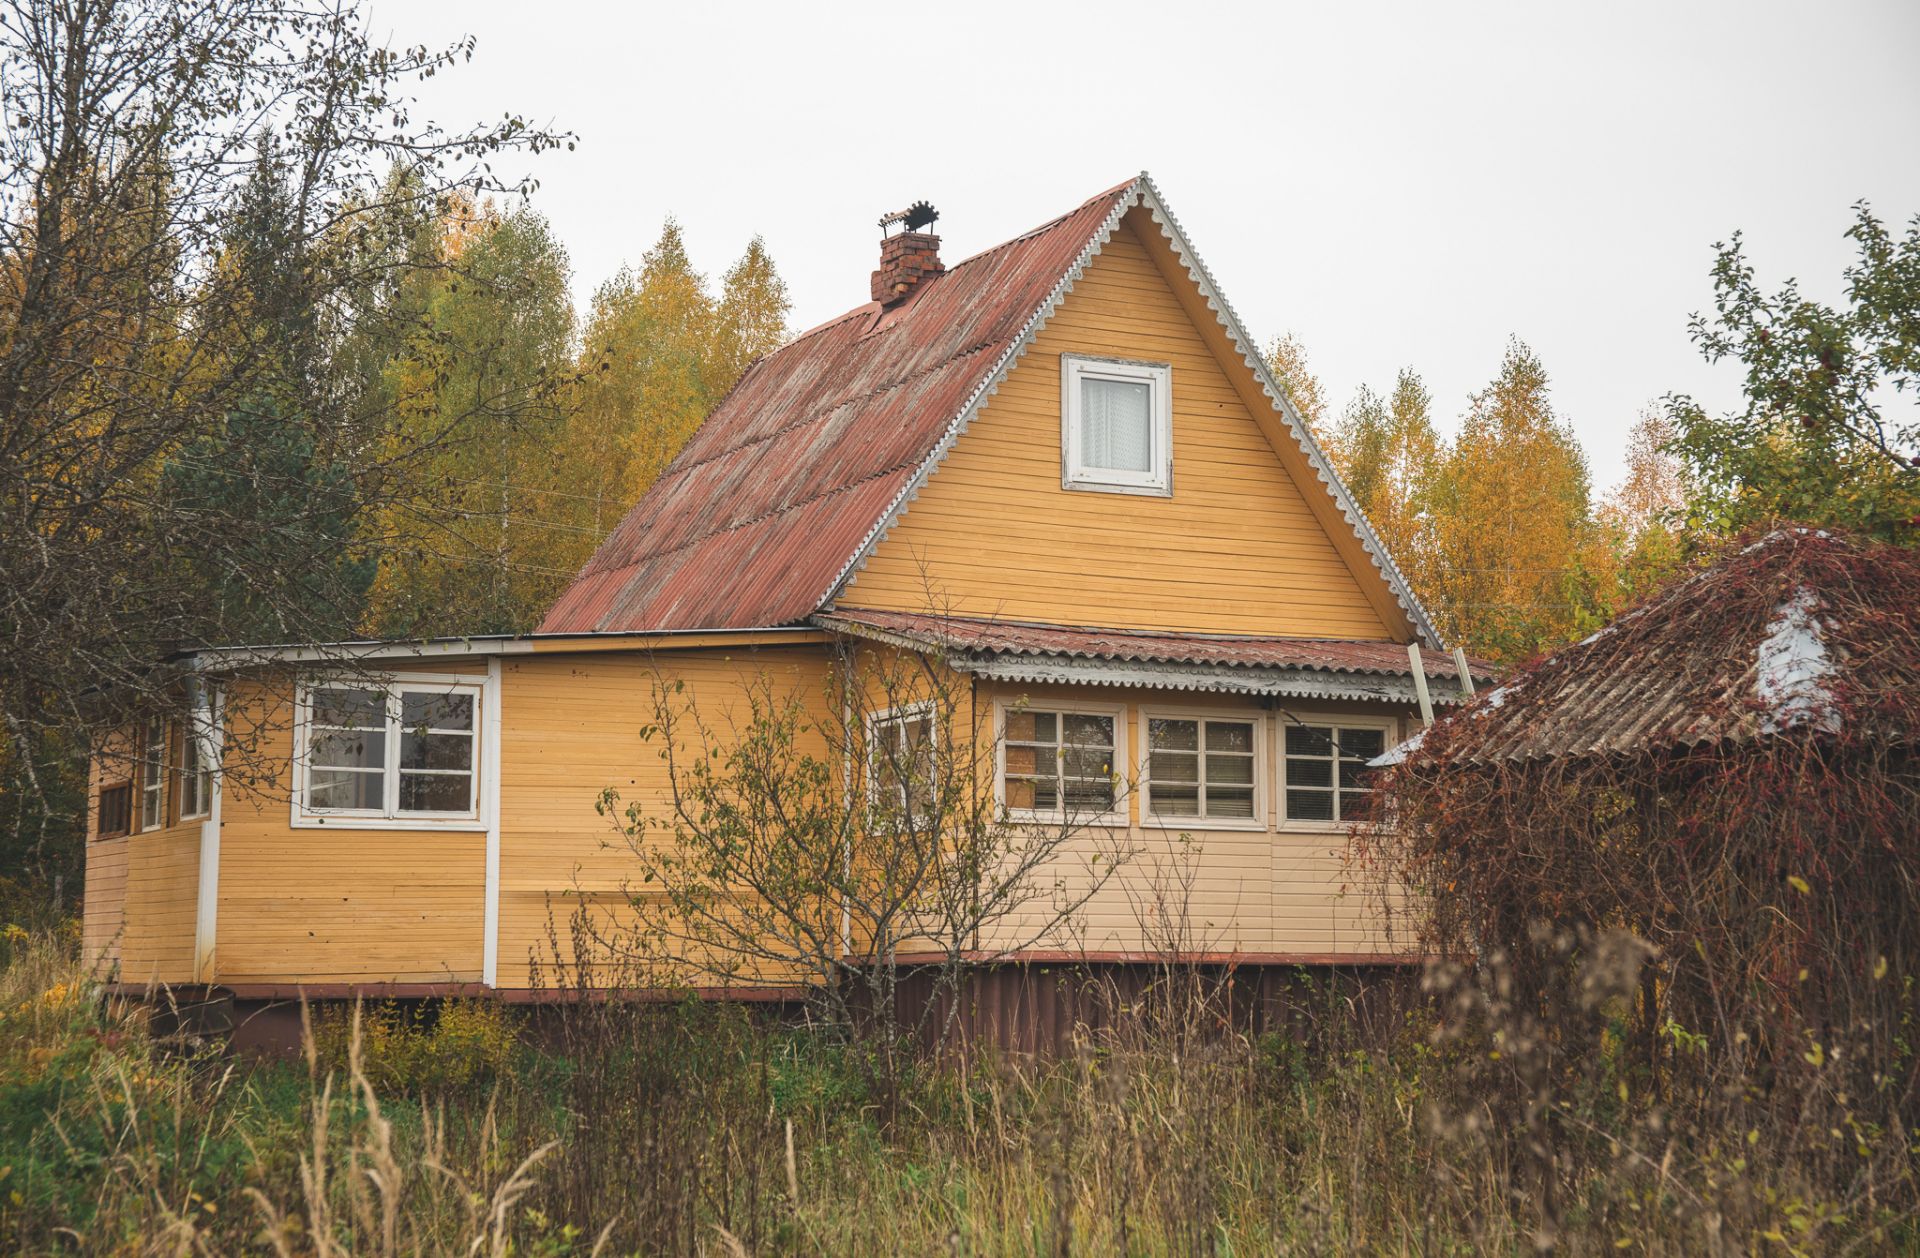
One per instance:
[(806, 463), (1802, 632)]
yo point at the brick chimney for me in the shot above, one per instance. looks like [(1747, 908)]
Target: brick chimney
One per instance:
[(908, 258), (905, 260)]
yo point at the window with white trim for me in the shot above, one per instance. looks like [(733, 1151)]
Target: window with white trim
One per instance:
[(1325, 769), (1116, 425), (1059, 763), (196, 773), (402, 752), (900, 762), (153, 774), (197, 754), (1200, 768)]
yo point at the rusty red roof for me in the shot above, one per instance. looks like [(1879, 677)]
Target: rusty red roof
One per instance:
[(803, 465), (1801, 632), (1129, 646), (756, 518)]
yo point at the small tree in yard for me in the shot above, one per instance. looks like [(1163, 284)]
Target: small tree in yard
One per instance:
[(850, 851)]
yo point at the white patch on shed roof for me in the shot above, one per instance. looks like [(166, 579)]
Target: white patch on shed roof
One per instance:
[(1793, 667), (1486, 703)]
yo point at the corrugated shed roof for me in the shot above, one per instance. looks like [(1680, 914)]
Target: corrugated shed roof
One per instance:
[(1011, 638), (757, 516), (1804, 631)]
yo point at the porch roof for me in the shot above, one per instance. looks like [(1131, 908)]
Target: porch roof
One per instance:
[(1300, 667)]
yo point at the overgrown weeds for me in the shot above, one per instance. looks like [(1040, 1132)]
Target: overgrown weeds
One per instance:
[(623, 1127)]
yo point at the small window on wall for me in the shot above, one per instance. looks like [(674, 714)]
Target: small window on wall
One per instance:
[(1200, 768), (1116, 425), (405, 753), (1060, 764), (116, 810), (153, 775), (900, 762), (1326, 769)]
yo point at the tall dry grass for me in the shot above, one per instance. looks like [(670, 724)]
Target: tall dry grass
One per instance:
[(620, 1128)]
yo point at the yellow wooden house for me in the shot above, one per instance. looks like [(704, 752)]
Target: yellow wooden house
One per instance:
[(1059, 467)]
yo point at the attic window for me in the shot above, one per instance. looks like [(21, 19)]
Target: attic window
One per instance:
[(1116, 426)]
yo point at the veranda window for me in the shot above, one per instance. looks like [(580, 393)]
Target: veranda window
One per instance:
[(900, 763), (1326, 769), (1060, 763), (1200, 768), (153, 774), (196, 764), (406, 752)]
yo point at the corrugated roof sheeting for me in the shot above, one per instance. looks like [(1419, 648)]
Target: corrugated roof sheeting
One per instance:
[(1803, 631), (1076, 642), (782, 483)]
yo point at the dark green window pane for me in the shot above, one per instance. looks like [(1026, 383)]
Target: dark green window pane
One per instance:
[(338, 748), (1175, 801), (1173, 735), (430, 711), (1089, 731), (1230, 770), (1174, 766), (1309, 740), (338, 788), (353, 709), (436, 751), (1229, 736), (422, 792), (1362, 744), (1232, 802), (1309, 772), (1309, 805)]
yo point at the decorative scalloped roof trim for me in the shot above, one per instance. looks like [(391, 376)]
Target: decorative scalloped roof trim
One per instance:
[(1236, 332), (1124, 200), (1290, 683), (1222, 677)]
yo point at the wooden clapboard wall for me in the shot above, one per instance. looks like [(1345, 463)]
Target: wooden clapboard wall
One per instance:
[(1236, 549)]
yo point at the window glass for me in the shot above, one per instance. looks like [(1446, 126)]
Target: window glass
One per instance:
[(1200, 768), (1060, 762), (196, 777), (1326, 770), (347, 750), (900, 765), (389, 753), (1116, 424), (153, 775), (436, 751), (116, 809)]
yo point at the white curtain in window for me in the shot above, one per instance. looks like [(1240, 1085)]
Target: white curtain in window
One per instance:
[(1116, 424)]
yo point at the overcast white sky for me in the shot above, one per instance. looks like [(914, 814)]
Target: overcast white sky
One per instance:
[(1396, 184)]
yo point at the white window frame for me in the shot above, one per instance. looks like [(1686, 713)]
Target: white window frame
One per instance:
[(151, 780), (1389, 728), (1122, 756), (899, 716), (389, 816), (1157, 481), (1261, 773), (197, 747)]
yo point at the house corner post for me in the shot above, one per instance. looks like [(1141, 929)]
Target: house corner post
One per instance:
[(490, 786)]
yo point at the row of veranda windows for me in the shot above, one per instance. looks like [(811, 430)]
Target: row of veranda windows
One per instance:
[(165, 752), (1058, 762)]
